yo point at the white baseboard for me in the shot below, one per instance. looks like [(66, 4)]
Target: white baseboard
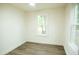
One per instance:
[(71, 49), (7, 51), (45, 43)]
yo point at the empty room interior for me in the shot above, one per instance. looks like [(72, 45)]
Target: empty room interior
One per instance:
[(39, 29)]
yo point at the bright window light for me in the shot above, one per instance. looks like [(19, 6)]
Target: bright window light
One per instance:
[(41, 24), (32, 4)]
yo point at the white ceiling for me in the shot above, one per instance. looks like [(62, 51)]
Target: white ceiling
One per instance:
[(39, 6)]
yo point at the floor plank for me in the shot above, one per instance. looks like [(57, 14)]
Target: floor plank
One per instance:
[(30, 48)]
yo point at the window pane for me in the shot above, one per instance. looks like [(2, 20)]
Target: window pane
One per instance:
[(41, 25), (78, 14)]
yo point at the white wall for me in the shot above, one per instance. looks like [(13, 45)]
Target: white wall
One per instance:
[(11, 28), (55, 26), (70, 46), (17, 27)]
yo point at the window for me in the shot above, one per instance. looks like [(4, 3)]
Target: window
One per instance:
[(77, 12), (41, 25), (77, 17)]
